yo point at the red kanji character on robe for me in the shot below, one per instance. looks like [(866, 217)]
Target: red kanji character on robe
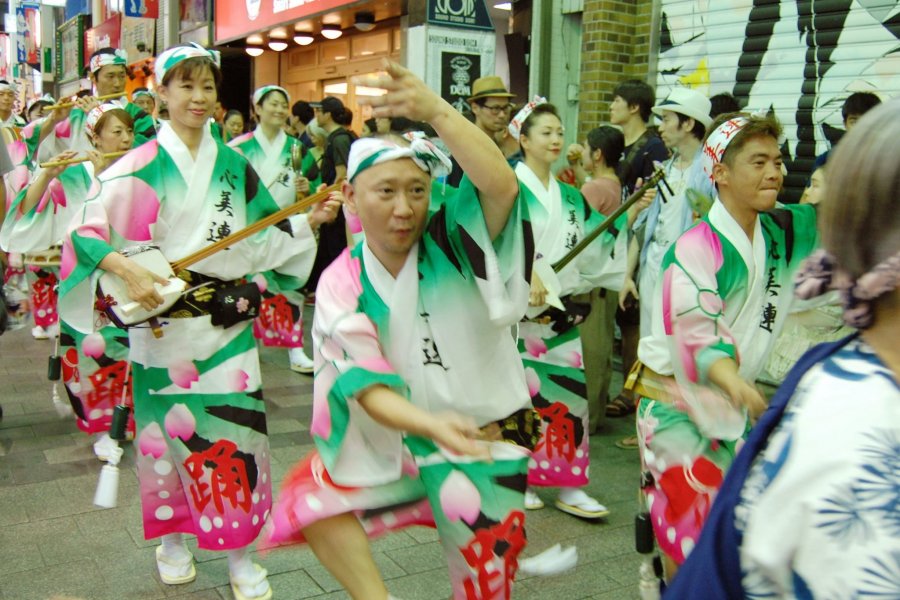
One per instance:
[(560, 434), (218, 475), (482, 551)]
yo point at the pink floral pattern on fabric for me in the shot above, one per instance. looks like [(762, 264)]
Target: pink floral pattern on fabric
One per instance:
[(183, 373), (535, 346), (64, 129), (237, 380), (136, 211), (533, 380), (180, 423), (151, 441), (460, 498), (94, 345)]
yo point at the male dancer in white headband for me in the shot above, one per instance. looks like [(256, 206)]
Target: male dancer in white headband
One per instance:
[(8, 118), (724, 293), (422, 413)]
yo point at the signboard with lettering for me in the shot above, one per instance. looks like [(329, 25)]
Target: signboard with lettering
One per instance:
[(147, 9), (70, 49), (27, 48), (138, 38), (466, 14), (458, 71), (237, 18), (107, 34)]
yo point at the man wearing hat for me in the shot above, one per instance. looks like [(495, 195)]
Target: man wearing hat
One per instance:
[(684, 118), (7, 99), (490, 103)]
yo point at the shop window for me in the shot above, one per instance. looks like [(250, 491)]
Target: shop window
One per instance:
[(377, 44), (336, 51)]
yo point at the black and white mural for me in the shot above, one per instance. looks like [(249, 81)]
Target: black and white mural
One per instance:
[(798, 58)]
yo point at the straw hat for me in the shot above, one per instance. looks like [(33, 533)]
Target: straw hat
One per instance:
[(687, 102), (491, 85)]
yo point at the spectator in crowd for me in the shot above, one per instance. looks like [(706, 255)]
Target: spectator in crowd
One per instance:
[(855, 106)]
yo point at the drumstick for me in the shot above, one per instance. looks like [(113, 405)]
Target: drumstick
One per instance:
[(80, 159), (246, 232), (72, 103)]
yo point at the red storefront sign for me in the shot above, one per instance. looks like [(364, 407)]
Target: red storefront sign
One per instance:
[(239, 18), (107, 34)]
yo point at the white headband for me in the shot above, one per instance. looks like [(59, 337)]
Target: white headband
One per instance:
[(118, 57), (261, 92), (174, 55), (368, 152), (717, 141), (515, 126)]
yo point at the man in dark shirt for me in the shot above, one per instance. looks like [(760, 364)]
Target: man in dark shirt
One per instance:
[(332, 236), (630, 109)]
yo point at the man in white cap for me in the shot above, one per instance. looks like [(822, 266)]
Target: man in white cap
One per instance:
[(685, 117), (7, 100)]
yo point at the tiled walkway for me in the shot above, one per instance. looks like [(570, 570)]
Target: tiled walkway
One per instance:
[(55, 544)]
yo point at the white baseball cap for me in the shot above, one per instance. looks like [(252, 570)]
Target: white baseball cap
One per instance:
[(687, 102)]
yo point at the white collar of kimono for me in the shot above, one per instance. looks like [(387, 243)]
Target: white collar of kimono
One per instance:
[(727, 226), (270, 147), (382, 280), (179, 152), (531, 181)]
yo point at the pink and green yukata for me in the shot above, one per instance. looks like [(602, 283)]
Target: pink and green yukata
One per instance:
[(94, 366), (438, 334), (551, 352), (202, 446), (721, 296), (280, 322)]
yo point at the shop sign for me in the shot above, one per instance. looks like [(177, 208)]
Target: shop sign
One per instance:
[(70, 49), (147, 9), (455, 59), (138, 38), (458, 71), (238, 18), (27, 49), (466, 14), (77, 7), (107, 34)]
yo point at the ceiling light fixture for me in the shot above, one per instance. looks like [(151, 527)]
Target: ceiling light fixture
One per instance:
[(254, 51), (364, 21), (332, 32), (503, 6), (255, 39), (304, 39), (278, 45)]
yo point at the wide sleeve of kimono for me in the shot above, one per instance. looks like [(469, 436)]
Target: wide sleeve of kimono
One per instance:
[(349, 358), (795, 224), (121, 211), (693, 320), (501, 268), (285, 252), (603, 262), (45, 224), (68, 134)]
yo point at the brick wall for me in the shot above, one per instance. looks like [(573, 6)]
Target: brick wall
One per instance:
[(616, 45)]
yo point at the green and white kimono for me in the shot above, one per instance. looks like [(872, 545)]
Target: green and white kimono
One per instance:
[(279, 322), (439, 334), (551, 351), (721, 295), (202, 454)]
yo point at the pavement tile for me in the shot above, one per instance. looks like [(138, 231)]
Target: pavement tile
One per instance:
[(294, 584), (387, 567), (418, 559), (79, 579)]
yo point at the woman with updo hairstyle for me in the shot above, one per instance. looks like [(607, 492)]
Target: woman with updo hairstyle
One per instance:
[(549, 340), (201, 447), (37, 221), (809, 507)]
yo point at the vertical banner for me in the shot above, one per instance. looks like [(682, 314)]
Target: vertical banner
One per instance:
[(27, 23), (458, 71), (4, 57), (147, 9)]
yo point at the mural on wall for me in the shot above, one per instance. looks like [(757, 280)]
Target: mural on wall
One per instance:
[(797, 58)]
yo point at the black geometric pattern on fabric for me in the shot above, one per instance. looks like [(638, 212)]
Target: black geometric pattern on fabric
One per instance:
[(528, 242), (77, 407), (251, 182), (66, 340), (437, 229), (784, 220), (474, 253), (198, 444), (252, 419), (513, 482), (374, 512), (539, 401), (578, 388)]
